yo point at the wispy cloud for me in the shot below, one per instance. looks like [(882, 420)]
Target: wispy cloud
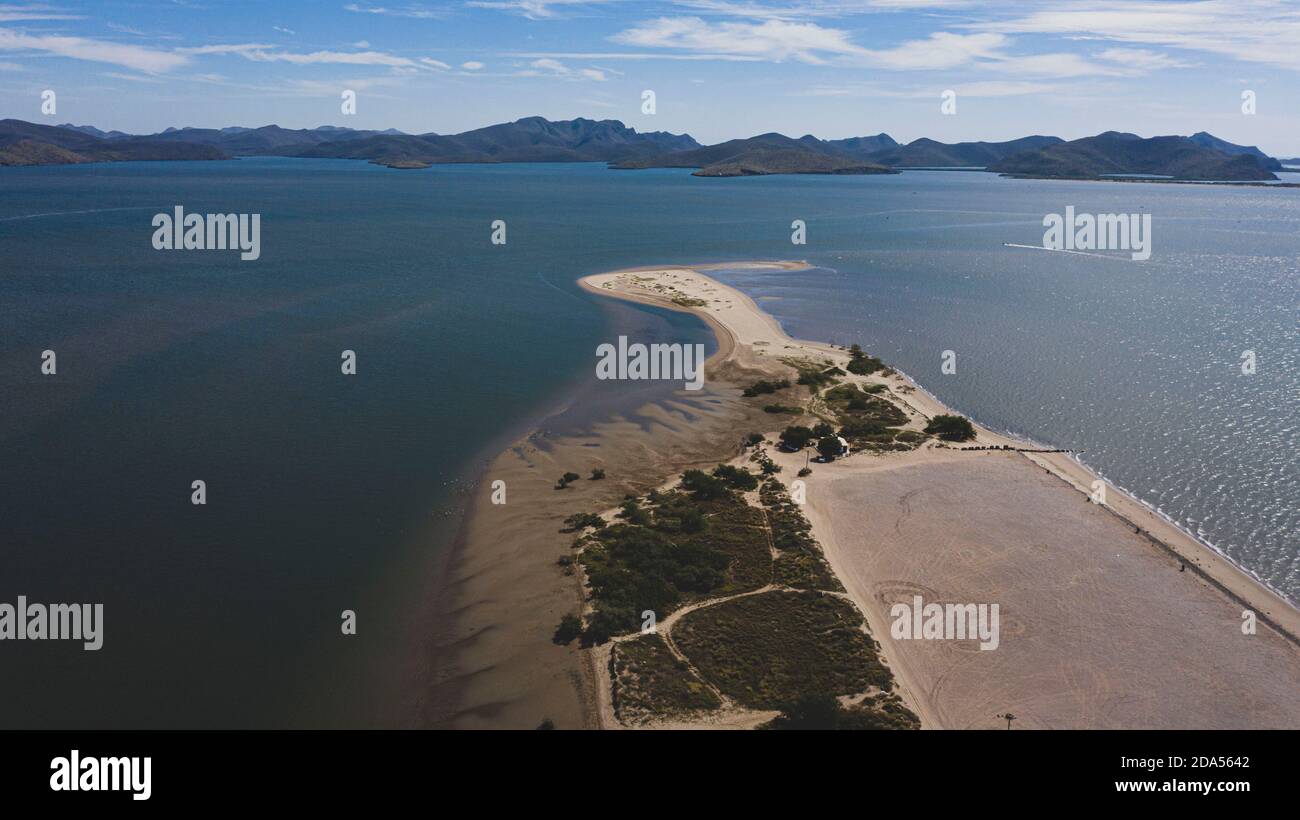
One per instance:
[(941, 50), (1254, 31), (414, 11), (809, 9), (555, 68), (264, 53), (34, 11), (139, 58), (535, 9), (631, 55), (771, 39), (779, 40)]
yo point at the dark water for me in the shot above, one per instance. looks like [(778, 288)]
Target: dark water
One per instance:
[(328, 492)]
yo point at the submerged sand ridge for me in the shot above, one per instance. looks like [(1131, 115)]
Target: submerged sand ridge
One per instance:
[(1111, 617), (503, 593)]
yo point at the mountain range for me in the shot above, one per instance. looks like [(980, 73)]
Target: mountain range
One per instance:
[(1201, 156), (1118, 154)]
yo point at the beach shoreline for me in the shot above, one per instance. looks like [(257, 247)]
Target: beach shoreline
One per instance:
[(1233, 578), (1154, 538), (507, 671)]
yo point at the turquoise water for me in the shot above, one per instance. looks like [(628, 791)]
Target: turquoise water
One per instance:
[(328, 492)]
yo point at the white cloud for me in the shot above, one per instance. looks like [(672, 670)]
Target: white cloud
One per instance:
[(630, 55), (139, 58), (555, 68), (265, 53), (1256, 31), (941, 50), (413, 11), (771, 39), (471, 65), (1140, 58), (778, 40), (1058, 65), (33, 11), (808, 9), (532, 9)]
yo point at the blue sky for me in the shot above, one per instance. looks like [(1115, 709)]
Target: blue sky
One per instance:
[(719, 68)]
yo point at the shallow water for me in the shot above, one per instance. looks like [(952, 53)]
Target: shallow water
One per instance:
[(328, 493)]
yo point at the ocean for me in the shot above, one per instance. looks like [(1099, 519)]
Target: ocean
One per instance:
[(329, 492)]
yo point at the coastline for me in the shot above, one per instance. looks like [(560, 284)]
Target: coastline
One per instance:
[(504, 670), (500, 593)]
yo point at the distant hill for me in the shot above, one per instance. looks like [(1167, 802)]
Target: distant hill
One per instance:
[(94, 132), (25, 143), (758, 162), (928, 153), (811, 155), (715, 154), (861, 147), (269, 140), (1210, 141), (1201, 156), (1118, 153), (773, 154), (532, 139)]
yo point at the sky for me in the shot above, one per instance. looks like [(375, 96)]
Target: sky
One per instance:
[(719, 69)]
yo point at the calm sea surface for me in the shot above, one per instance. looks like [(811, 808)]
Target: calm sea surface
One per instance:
[(328, 493)]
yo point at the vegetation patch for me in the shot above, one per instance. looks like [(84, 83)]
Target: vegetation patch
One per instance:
[(799, 562), (815, 375), (651, 683), (766, 651), (863, 365), (699, 540), (867, 421), (951, 428), (825, 712), (764, 387), (688, 301)]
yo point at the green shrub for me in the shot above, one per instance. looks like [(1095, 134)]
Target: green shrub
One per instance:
[(796, 436), (737, 478), (951, 428), (570, 627), (763, 387), (702, 485)]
